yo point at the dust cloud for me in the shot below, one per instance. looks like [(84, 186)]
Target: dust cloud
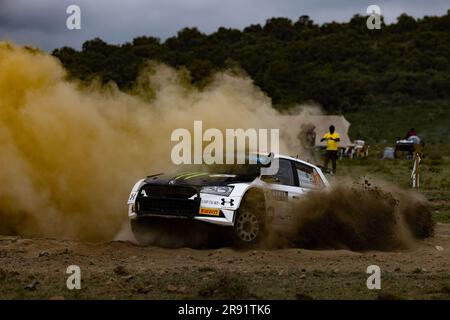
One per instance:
[(70, 152), (358, 216)]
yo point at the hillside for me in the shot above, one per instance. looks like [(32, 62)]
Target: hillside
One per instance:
[(342, 66)]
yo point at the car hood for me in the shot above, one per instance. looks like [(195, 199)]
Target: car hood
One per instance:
[(198, 179)]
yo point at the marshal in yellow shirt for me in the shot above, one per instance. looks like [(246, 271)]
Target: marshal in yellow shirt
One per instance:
[(331, 144)]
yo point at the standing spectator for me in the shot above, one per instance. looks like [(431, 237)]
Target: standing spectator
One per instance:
[(410, 133), (332, 139)]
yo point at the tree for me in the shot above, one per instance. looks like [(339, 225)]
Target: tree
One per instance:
[(342, 66)]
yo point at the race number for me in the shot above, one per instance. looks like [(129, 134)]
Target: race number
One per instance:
[(132, 197)]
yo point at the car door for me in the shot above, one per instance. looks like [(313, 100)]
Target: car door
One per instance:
[(281, 189), (308, 177)]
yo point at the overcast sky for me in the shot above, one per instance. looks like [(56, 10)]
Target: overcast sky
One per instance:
[(42, 23)]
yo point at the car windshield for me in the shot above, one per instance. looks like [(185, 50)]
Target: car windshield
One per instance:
[(253, 169), (236, 169)]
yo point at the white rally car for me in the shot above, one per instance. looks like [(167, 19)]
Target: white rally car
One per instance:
[(238, 198)]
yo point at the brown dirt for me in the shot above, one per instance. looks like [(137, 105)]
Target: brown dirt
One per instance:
[(360, 217), (36, 268)]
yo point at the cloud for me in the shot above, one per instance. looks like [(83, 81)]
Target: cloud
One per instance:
[(43, 22)]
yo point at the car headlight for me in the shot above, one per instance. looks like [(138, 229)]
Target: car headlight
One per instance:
[(218, 190)]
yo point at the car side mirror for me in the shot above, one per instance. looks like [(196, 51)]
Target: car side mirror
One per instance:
[(270, 179)]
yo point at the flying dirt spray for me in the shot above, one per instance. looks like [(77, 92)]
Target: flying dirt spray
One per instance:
[(69, 154), (359, 216)]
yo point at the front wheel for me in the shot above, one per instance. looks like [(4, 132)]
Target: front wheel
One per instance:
[(143, 232), (174, 233), (249, 226)]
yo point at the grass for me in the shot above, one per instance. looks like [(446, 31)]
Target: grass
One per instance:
[(385, 123)]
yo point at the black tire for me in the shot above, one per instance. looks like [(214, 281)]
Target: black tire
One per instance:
[(250, 224), (143, 232), (174, 233)]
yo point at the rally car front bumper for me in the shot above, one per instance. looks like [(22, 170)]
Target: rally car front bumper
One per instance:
[(204, 207)]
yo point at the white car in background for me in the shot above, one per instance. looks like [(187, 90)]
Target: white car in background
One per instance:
[(236, 198)]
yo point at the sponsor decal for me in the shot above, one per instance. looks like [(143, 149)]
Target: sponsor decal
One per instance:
[(227, 202), (194, 175), (210, 202), (222, 175), (278, 195), (190, 175), (209, 211)]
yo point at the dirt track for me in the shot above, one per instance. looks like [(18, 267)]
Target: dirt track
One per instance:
[(35, 268)]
